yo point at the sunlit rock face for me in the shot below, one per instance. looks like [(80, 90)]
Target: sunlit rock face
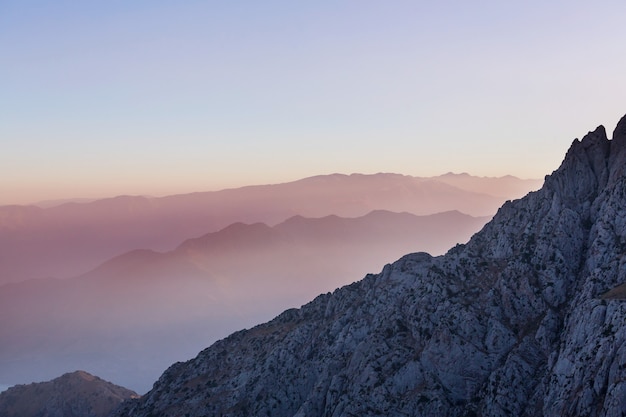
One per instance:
[(516, 322)]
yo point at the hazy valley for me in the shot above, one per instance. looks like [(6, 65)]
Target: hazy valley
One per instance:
[(134, 314)]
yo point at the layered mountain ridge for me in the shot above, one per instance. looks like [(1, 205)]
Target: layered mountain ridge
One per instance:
[(173, 304), (73, 238), (516, 322)]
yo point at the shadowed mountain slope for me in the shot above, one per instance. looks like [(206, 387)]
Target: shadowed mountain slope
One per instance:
[(512, 323)]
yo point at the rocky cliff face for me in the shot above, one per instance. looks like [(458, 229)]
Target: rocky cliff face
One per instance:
[(512, 323), (76, 394)]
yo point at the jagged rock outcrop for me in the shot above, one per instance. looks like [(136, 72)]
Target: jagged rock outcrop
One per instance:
[(76, 394), (512, 323)]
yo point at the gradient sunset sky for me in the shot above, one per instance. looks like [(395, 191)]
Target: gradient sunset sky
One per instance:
[(100, 98)]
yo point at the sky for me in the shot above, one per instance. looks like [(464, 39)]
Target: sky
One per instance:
[(152, 97)]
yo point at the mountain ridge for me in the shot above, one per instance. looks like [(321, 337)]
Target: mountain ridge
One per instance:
[(510, 323), (74, 238)]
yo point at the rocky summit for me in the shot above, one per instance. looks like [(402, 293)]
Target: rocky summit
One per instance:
[(76, 394), (519, 321)]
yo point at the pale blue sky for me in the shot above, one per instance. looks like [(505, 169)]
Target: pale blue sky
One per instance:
[(101, 98)]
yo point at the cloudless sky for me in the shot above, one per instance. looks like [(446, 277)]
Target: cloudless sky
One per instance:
[(100, 98)]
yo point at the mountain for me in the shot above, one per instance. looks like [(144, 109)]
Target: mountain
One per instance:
[(507, 187), (173, 304), (516, 322), (70, 239), (76, 394)]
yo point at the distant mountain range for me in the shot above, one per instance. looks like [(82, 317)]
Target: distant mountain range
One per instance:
[(76, 394), (129, 318), (72, 238)]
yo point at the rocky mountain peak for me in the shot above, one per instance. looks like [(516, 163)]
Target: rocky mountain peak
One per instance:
[(511, 323), (585, 168), (619, 134), (75, 394), (618, 151)]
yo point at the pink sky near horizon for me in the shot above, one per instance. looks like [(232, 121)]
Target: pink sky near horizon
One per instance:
[(158, 97)]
